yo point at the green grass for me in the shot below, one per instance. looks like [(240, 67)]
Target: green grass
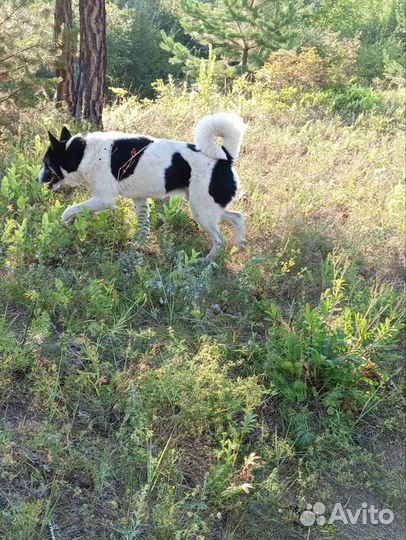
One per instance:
[(150, 397)]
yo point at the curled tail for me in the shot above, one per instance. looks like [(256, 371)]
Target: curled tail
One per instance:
[(226, 125)]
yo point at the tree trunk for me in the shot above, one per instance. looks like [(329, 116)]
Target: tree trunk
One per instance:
[(92, 77), (244, 59), (64, 65)]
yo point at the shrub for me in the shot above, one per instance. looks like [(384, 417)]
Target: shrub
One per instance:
[(340, 56), (325, 61), (135, 58), (353, 99), (304, 70), (331, 349)]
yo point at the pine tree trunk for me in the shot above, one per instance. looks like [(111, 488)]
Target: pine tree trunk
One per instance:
[(92, 78), (244, 59), (64, 65)]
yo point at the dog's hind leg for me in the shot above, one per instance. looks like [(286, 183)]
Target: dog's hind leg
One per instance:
[(238, 222), (142, 211), (207, 215)]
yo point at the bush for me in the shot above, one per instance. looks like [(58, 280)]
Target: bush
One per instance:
[(135, 58), (329, 62), (339, 54), (305, 70), (377, 24), (331, 349), (352, 99)]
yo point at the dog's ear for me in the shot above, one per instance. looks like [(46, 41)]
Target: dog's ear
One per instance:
[(53, 140), (65, 134)]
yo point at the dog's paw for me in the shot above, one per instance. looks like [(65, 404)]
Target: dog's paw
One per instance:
[(242, 244), (68, 215), (207, 261)]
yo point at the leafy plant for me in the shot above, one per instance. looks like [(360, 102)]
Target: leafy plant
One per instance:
[(353, 99), (325, 352)]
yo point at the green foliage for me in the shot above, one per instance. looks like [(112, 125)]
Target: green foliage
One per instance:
[(171, 212), (180, 54), (206, 77), (24, 55), (242, 33), (197, 394), (22, 519), (176, 398), (379, 25), (328, 349), (339, 55), (350, 17), (353, 99), (135, 58)]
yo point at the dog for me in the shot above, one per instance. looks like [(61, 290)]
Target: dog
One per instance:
[(113, 164)]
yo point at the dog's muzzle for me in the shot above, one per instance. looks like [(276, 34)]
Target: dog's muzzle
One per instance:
[(48, 178)]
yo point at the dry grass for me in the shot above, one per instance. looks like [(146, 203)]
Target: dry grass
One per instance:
[(307, 179)]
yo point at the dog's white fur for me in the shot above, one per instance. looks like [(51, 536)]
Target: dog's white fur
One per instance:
[(148, 178)]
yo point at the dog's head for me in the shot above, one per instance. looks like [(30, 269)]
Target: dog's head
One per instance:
[(57, 162)]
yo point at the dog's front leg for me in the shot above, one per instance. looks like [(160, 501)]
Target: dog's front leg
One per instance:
[(95, 204)]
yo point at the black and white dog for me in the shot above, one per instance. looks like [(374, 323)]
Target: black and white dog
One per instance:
[(115, 164)]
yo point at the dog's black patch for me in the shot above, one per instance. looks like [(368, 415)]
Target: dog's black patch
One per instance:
[(74, 154), (227, 153), (177, 175), (192, 147), (125, 154), (222, 185), (59, 157)]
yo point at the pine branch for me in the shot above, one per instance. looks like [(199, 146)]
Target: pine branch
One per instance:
[(11, 15), (16, 54), (10, 96)]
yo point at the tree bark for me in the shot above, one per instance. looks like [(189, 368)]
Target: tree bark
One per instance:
[(244, 58), (64, 65), (92, 77)]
